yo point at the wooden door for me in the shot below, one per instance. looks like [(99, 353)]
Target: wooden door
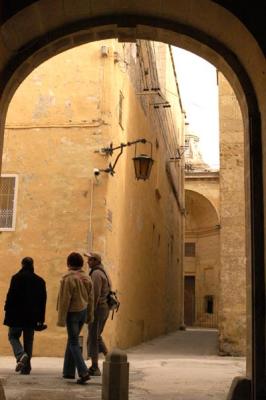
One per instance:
[(189, 300)]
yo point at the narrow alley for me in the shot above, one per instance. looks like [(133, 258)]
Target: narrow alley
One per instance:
[(183, 365)]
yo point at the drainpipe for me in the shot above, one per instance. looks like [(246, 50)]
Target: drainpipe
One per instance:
[(90, 233)]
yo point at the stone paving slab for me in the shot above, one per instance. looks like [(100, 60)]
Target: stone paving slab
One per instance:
[(178, 366)]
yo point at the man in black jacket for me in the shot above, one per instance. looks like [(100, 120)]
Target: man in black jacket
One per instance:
[(24, 312)]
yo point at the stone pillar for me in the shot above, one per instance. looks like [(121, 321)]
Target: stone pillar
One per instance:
[(115, 382), (2, 393), (235, 280), (233, 284)]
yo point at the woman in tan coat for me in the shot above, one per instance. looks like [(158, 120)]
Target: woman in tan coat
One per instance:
[(75, 307)]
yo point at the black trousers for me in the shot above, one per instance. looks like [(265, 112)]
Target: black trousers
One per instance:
[(96, 343)]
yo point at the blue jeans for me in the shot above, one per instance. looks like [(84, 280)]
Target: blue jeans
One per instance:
[(73, 357), (14, 335)]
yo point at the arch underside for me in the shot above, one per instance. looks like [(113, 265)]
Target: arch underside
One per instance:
[(200, 212)]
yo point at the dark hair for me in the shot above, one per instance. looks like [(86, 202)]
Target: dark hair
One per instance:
[(27, 264), (75, 260)]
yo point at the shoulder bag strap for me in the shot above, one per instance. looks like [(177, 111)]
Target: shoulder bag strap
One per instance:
[(100, 269)]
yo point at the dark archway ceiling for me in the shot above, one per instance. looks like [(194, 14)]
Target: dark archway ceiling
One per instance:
[(250, 13)]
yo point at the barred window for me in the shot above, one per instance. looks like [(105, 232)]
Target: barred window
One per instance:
[(190, 249), (8, 192)]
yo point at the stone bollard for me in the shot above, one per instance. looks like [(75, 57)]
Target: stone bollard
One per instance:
[(115, 376), (2, 393), (240, 389)]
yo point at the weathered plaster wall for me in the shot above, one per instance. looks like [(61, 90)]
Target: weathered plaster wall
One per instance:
[(59, 118), (232, 321)]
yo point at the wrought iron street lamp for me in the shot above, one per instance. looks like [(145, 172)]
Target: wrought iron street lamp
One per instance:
[(142, 162)]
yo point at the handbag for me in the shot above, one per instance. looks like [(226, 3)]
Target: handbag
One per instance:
[(112, 301)]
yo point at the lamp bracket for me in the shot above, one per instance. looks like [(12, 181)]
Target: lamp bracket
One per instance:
[(109, 152), (180, 151)]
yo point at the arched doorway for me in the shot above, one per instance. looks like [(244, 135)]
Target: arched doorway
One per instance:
[(41, 30)]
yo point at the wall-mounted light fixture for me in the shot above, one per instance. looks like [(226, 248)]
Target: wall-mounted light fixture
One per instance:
[(142, 162), (180, 151)]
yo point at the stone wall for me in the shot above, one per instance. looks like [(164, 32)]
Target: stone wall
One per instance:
[(232, 315), (59, 119), (226, 193), (203, 229)]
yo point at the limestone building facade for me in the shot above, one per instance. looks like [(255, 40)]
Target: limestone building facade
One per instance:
[(215, 234), (58, 122), (202, 239)]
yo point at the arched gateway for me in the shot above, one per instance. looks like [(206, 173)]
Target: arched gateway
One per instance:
[(44, 28)]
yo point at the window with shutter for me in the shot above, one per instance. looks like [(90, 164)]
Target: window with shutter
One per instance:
[(8, 195)]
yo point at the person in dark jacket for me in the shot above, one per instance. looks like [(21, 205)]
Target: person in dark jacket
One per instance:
[(24, 312)]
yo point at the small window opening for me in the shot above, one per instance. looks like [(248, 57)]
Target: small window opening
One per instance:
[(209, 304), (190, 249)]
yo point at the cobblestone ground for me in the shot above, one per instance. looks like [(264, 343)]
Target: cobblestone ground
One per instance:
[(178, 366)]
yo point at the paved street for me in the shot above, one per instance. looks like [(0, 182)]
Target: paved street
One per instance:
[(180, 366)]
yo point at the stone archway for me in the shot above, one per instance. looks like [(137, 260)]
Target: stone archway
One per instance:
[(46, 28)]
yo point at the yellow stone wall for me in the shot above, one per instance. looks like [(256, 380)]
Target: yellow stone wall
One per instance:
[(232, 321), (224, 250), (58, 120)]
